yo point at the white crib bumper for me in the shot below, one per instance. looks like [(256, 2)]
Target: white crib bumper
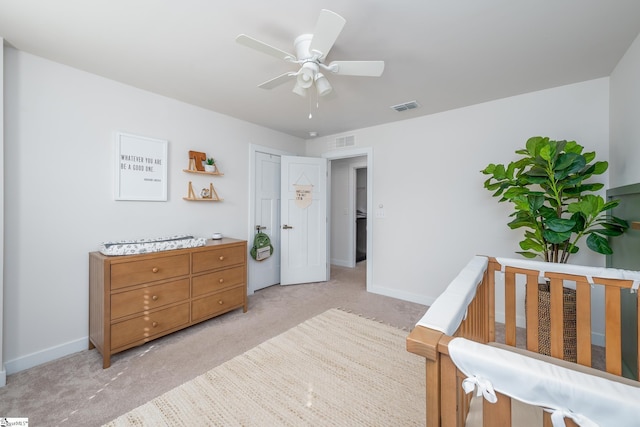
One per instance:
[(588, 400), (450, 308)]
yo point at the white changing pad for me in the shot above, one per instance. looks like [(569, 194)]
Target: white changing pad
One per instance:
[(143, 246)]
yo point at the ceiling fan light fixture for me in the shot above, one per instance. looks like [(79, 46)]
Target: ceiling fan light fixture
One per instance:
[(299, 90), (322, 85), (307, 74)]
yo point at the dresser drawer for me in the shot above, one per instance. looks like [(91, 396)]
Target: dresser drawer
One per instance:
[(143, 327), (217, 303), (148, 270), (148, 298), (218, 258), (212, 282)]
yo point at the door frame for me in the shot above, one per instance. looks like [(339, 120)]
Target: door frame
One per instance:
[(331, 155), (251, 226), (354, 204), (345, 154)]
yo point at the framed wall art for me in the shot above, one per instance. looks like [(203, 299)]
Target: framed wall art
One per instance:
[(141, 168)]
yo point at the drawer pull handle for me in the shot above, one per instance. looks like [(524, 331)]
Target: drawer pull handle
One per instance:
[(220, 302), (221, 258), (155, 269), (154, 324), (221, 280), (155, 297)]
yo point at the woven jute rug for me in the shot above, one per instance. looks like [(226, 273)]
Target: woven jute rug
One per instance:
[(336, 369)]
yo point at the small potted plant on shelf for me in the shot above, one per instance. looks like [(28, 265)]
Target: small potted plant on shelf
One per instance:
[(210, 165)]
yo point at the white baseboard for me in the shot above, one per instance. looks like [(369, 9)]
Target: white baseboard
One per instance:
[(405, 296), (46, 355), (342, 263)]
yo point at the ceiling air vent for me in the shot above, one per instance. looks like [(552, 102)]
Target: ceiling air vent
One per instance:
[(411, 105), (343, 142)]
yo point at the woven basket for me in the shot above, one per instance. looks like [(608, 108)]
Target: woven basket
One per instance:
[(569, 323)]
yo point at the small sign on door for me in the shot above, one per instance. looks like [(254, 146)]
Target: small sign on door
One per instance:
[(304, 195)]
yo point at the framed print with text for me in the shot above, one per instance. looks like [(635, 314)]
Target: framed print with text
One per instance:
[(141, 168)]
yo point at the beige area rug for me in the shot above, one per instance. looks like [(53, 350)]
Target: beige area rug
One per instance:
[(336, 369)]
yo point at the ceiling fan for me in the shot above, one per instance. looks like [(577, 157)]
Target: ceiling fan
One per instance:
[(311, 51)]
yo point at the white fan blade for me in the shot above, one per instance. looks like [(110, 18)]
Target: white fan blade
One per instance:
[(277, 81), (357, 68), (327, 30), (244, 39)]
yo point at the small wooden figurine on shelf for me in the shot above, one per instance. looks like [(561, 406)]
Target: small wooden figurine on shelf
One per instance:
[(207, 194)]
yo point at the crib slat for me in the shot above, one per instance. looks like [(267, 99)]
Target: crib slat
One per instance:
[(510, 308), (532, 312), (583, 322), (449, 393), (613, 345), (557, 317), (497, 414)]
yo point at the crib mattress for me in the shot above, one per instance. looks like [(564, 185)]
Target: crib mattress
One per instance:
[(144, 246)]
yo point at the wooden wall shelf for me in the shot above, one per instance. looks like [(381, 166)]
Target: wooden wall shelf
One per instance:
[(213, 195), (203, 172), (200, 199)]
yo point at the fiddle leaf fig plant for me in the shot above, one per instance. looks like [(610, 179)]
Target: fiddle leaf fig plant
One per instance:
[(552, 197)]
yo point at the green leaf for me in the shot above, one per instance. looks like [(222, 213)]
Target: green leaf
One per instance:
[(499, 172), (598, 244), (529, 244), (600, 168), (573, 147), (535, 202), (546, 152), (555, 237), (533, 143), (489, 169), (560, 225), (528, 254), (590, 205)]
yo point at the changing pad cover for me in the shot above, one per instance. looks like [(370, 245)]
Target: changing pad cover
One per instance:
[(143, 246)]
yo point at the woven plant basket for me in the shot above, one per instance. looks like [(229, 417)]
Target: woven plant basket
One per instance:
[(569, 322)]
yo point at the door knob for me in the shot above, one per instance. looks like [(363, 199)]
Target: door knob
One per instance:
[(286, 227)]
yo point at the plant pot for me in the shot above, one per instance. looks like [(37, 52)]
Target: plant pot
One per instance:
[(209, 168), (569, 322)]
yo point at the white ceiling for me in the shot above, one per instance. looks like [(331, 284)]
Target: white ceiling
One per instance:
[(442, 53)]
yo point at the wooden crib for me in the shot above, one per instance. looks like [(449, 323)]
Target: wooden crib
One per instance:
[(465, 313)]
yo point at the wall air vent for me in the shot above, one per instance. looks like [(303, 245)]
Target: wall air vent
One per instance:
[(343, 142), (411, 105)]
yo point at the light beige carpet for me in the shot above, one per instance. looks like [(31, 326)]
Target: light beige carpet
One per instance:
[(335, 369)]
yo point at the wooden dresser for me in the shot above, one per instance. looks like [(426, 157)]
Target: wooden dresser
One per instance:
[(134, 299)]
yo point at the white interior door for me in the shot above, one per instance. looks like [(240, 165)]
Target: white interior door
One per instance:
[(267, 216), (303, 217)]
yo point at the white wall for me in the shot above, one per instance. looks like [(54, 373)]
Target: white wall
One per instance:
[(625, 126), (427, 177), (59, 205)]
